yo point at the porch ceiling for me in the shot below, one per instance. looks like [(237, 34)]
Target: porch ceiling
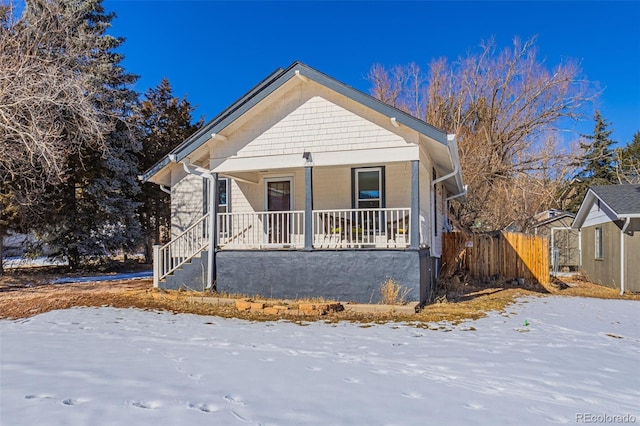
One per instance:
[(318, 159)]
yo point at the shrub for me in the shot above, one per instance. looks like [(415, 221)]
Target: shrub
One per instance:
[(393, 293)]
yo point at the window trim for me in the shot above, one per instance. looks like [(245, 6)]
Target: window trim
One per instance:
[(279, 179), (205, 195), (355, 190), (227, 205), (598, 249)]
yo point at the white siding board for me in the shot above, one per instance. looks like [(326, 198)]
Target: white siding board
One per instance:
[(331, 188), (309, 117), (398, 185), (186, 201), (598, 216)]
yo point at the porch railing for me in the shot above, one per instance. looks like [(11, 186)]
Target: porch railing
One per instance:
[(261, 230), (362, 228), (182, 248)]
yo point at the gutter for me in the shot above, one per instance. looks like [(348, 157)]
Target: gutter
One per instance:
[(462, 194)]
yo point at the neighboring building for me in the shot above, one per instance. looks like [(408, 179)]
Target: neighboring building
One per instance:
[(609, 220), (315, 190), (564, 254)]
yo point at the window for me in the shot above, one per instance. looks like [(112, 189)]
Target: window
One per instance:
[(223, 205), (368, 195), (368, 188), (598, 243), (223, 195)]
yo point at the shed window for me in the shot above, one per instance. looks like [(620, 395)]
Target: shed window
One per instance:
[(598, 243)]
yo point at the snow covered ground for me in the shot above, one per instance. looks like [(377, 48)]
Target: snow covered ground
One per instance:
[(546, 360)]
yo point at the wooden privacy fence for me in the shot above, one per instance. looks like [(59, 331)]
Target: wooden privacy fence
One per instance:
[(508, 255)]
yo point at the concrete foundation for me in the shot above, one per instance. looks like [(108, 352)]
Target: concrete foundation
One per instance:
[(342, 275)]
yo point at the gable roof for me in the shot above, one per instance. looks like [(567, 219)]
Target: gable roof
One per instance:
[(553, 219), (274, 81), (622, 200)]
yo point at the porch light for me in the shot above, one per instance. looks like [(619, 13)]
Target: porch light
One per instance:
[(307, 156)]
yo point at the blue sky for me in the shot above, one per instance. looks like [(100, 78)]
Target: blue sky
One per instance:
[(214, 51)]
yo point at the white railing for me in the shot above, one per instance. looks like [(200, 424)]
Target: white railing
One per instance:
[(362, 228), (332, 229), (182, 248), (261, 230)]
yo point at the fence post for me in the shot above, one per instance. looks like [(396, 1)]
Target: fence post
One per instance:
[(156, 265)]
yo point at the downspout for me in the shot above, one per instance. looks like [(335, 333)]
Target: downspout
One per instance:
[(198, 171), (445, 177), (622, 262), (165, 189), (453, 154)]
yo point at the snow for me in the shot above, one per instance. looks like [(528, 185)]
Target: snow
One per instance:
[(545, 360), (25, 262), (111, 277)]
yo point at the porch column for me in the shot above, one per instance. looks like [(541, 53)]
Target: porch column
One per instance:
[(308, 209), (415, 205), (213, 231)]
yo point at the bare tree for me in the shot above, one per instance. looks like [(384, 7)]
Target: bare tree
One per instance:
[(506, 108), (628, 161), (46, 113)]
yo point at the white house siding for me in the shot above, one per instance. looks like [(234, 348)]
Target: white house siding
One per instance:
[(249, 197), (319, 125), (331, 188), (398, 185), (312, 118), (598, 215), (186, 201)]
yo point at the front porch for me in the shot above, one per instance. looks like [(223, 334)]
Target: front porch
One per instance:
[(257, 213)]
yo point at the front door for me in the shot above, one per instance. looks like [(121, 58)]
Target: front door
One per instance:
[(279, 208)]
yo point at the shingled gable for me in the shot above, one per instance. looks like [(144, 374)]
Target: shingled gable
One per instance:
[(275, 81), (618, 201)]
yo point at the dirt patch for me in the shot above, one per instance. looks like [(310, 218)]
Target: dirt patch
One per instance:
[(29, 295)]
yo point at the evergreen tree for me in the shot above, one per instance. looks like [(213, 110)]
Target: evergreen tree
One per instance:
[(628, 161), (599, 165), (163, 121), (92, 213)]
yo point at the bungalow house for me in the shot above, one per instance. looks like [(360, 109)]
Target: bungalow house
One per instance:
[(609, 220), (306, 187)]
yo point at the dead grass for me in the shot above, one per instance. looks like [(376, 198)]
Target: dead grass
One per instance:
[(393, 293), (26, 295)]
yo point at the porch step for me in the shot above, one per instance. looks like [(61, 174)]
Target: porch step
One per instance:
[(190, 276)]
